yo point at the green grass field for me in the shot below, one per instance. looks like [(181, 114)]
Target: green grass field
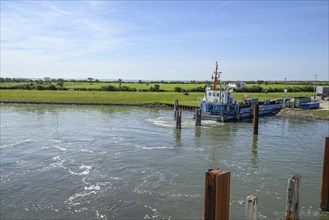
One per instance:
[(168, 87), (122, 97)]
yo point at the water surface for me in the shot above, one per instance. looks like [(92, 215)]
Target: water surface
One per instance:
[(120, 163)]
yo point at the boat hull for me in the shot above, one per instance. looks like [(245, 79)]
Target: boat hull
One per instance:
[(310, 105), (234, 112)]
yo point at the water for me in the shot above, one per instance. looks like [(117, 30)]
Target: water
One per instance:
[(110, 163)]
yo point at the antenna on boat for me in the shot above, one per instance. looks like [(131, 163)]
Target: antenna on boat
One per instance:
[(215, 76)]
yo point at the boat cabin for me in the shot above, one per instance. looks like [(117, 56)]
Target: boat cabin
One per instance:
[(219, 97)]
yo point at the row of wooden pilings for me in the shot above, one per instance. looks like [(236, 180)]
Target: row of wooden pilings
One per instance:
[(217, 194), (178, 116)]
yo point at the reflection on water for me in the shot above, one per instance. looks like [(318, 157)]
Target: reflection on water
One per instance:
[(254, 152), (114, 162)]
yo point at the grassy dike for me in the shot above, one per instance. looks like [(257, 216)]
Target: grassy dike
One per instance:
[(68, 96), (98, 97)]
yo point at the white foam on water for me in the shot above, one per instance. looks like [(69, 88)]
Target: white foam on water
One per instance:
[(79, 195), (85, 172), (100, 216), (153, 148), (93, 187), (52, 165), (56, 141), (152, 215), (16, 144), (162, 122), (117, 139), (168, 122), (86, 150), (56, 158), (60, 148)]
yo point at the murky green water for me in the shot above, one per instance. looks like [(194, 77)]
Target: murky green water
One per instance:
[(120, 163)]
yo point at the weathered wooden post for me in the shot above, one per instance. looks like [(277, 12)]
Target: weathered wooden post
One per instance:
[(176, 107), (292, 206), (325, 178), (251, 208), (255, 119), (197, 117), (217, 195), (179, 119)]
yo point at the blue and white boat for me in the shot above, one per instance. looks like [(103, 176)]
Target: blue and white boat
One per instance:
[(219, 105)]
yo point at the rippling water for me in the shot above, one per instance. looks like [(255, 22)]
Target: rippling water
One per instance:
[(110, 163)]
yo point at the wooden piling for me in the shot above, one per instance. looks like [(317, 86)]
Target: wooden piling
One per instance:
[(251, 208), (179, 119), (292, 206), (255, 118), (217, 195), (197, 117), (176, 107), (324, 199)]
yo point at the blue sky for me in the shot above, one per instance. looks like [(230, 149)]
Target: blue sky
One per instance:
[(165, 40)]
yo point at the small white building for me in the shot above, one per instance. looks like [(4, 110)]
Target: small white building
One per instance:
[(238, 84)]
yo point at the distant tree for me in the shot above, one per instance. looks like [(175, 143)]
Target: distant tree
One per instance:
[(140, 81), (47, 79), (109, 88), (156, 87), (178, 89), (60, 82), (260, 82), (90, 80), (119, 81)]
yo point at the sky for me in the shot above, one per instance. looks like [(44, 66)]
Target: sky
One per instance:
[(165, 40)]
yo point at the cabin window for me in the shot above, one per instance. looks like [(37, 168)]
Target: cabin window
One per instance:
[(217, 94), (209, 93), (214, 94)]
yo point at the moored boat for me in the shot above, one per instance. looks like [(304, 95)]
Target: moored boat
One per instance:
[(219, 105), (310, 105)]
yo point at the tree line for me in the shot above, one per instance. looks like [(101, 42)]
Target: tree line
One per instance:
[(58, 84)]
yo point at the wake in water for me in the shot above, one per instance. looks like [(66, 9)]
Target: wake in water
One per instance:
[(169, 122)]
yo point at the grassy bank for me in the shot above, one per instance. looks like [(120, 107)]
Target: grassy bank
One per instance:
[(97, 97), (120, 97)]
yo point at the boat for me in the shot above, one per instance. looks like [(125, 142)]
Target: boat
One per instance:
[(310, 105), (219, 104)]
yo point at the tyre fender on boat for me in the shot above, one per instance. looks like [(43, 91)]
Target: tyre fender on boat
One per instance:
[(215, 100)]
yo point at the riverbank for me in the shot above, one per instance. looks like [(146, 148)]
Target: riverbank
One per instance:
[(308, 115), (143, 99), (298, 114)]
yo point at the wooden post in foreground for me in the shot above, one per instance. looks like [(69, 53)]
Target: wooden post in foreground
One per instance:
[(255, 109), (292, 207), (217, 195), (179, 119), (251, 208), (325, 178), (176, 107), (197, 117)]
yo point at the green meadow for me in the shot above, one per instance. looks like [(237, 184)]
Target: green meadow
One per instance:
[(119, 97), (146, 86)]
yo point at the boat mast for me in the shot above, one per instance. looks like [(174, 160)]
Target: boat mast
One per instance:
[(215, 76)]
